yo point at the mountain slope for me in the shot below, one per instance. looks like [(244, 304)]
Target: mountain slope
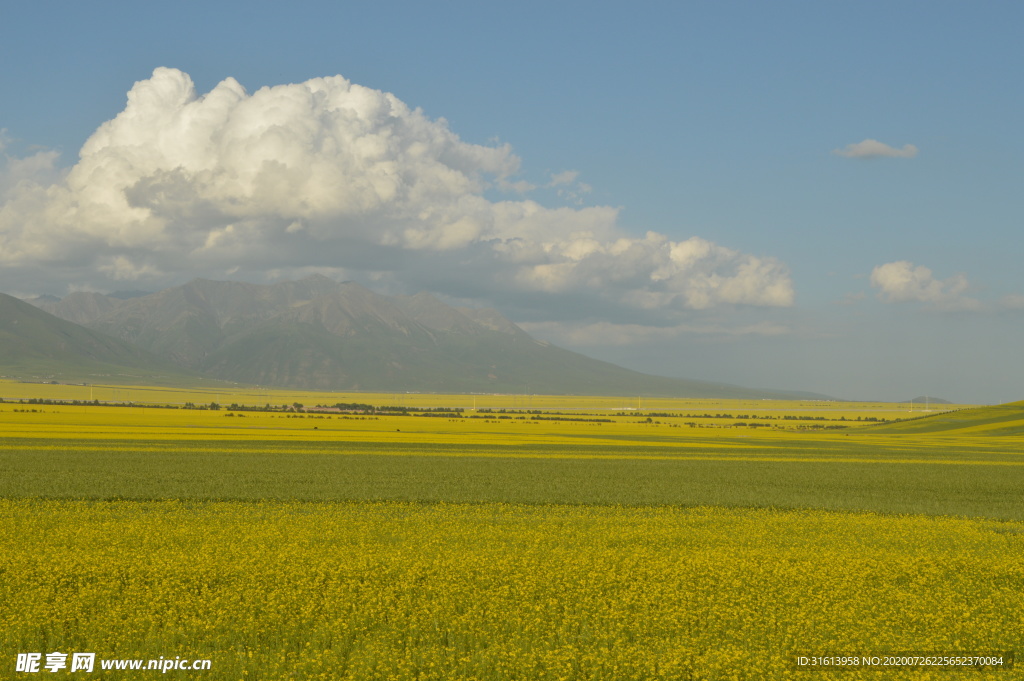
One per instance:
[(35, 344)]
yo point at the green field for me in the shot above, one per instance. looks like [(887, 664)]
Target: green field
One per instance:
[(590, 542), (846, 476)]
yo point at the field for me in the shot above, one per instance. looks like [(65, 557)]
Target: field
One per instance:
[(504, 537)]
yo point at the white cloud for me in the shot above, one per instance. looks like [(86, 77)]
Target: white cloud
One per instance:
[(121, 268), (330, 174), (870, 148), (654, 273), (564, 177), (901, 281), (610, 334), (568, 188), (39, 168), (1012, 301)]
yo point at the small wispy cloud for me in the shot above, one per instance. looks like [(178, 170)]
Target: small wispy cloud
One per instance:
[(870, 148), (901, 281), (609, 334), (1012, 301), (567, 187), (564, 177)]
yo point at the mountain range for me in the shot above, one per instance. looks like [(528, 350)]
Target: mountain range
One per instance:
[(313, 334)]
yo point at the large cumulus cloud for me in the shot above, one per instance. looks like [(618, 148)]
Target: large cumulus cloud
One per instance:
[(329, 174)]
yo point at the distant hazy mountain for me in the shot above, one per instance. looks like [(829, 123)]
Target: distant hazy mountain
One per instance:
[(320, 334), (925, 399)]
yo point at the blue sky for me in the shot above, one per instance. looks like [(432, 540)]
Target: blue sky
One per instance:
[(888, 272)]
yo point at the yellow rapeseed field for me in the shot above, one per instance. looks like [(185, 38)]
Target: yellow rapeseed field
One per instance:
[(495, 591), (132, 556), (244, 395), (489, 437)]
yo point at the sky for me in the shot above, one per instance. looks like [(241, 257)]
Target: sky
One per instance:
[(791, 195)]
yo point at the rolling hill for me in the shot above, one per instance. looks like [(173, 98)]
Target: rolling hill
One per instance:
[(1000, 419)]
